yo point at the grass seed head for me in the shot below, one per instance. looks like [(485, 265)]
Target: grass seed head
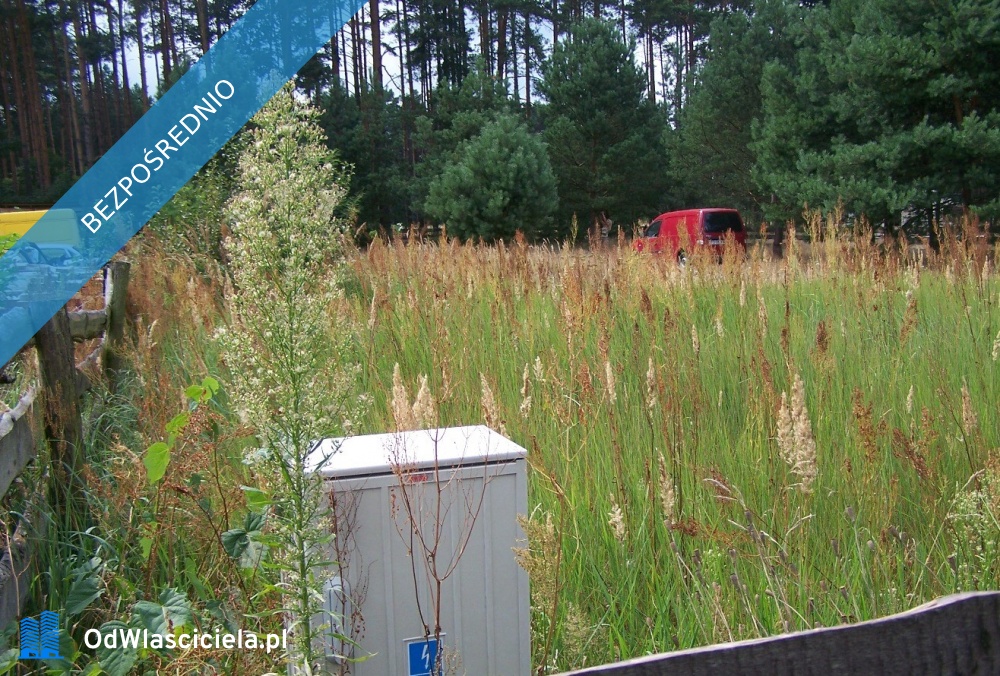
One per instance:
[(651, 399), (609, 382), (525, 408), (970, 421), (616, 519), (402, 414), (668, 496), (491, 413), (424, 407), (795, 439), (539, 370), (761, 311)]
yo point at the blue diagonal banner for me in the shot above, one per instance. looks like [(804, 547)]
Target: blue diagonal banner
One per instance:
[(156, 157)]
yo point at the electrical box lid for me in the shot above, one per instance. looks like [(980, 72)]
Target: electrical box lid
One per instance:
[(377, 454)]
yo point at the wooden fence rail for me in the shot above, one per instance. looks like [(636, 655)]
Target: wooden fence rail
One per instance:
[(17, 449), (958, 634), (62, 384)]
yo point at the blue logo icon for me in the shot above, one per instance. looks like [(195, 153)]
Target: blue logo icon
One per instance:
[(40, 637)]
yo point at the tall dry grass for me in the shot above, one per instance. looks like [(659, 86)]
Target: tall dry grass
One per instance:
[(719, 451)]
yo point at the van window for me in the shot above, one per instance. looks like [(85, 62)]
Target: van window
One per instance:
[(722, 221), (653, 230)]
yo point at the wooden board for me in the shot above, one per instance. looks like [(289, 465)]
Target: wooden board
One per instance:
[(958, 634)]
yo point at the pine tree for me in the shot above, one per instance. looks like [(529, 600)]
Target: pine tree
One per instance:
[(602, 132), (500, 182), (710, 153), (888, 106)]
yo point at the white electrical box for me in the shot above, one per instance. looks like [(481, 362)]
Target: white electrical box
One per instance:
[(425, 525)]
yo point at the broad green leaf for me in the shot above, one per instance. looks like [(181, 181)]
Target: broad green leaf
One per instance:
[(120, 660), (223, 614), (178, 423), (156, 461), (147, 546), (253, 522), (173, 611), (235, 542), (193, 579), (8, 660), (194, 392), (257, 500), (211, 384), (85, 590)]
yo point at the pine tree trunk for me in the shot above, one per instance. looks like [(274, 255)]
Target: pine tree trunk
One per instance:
[(75, 135), (127, 93), (141, 47), (117, 92), (86, 118), (356, 57), (35, 122), (343, 50), (201, 8), (35, 93), (651, 66), (401, 49), (513, 61), (527, 66), (61, 79), (334, 48), (102, 114), (11, 78), (171, 34), (376, 44), (501, 44), (555, 22), (663, 80), (363, 30), (484, 35), (165, 41), (409, 53)]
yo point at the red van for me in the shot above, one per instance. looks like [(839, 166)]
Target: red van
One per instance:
[(676, 232)]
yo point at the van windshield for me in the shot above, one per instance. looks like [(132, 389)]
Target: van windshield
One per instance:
[(723, 221), (653, 230)]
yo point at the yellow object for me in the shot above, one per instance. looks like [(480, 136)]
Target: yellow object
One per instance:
[(62, 230)]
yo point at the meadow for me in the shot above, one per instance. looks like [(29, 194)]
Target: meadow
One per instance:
[(717, 452)]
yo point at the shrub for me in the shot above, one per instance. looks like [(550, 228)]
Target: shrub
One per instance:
[(499, 183)]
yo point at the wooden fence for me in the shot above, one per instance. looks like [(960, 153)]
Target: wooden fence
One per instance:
[(62, 383), (958, 634)]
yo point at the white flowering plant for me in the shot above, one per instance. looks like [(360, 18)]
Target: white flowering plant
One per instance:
[(284, 344)]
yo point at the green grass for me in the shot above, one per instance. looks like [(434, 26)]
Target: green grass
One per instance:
[(903, 508), (744, 553)]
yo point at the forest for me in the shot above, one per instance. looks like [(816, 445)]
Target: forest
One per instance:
[(549, 116)]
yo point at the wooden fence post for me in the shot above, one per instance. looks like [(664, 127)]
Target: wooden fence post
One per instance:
[(61, 404), (115, 282)]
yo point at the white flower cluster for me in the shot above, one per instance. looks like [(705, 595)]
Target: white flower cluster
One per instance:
[(283, 344)]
